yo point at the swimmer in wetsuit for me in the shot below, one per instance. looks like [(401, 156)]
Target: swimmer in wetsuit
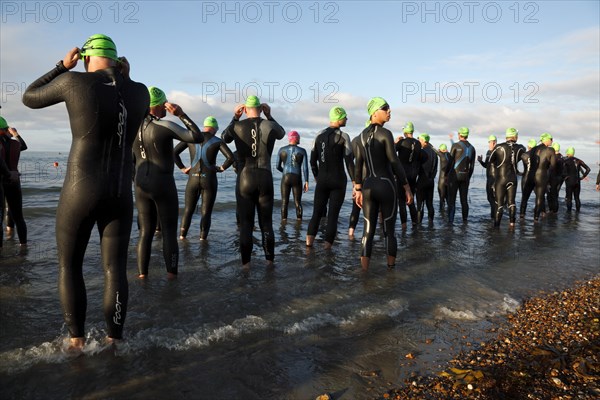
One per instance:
[(12, 146), (292, 160), (5, 176), (409, 153), (330, 151), (572, 169), (254, 140), (355, 213), (527, 181), (376, 192), (555, 180), (541, 159), (105, 110), (463, 163), (490, 174), (444, 157), (504, 160), (426, 179), (155, 190), (202, 173)]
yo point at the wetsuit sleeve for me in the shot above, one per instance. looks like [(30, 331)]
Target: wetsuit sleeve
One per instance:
[(390, 153), (196, 134), (598, 178), (279, 131), (179, 148), (229, 157), (485, 163), (305, 165), (472, 164), (586, 169), (46, 90), (359, 163), (23, 144), (348, 155), (314, 166), (552, 162), (279, 161), (229, 132)]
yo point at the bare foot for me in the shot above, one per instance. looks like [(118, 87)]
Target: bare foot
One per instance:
[(171, 276), (310, 239), (76, 345), (364, 263), (181, 237), (142, 276), (270, 264), (246, 267), (327, 245)]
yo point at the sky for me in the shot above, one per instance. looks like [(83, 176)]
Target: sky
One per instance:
[(487, 65)]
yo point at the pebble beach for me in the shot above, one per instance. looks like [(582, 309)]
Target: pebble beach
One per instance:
[(549, 348)]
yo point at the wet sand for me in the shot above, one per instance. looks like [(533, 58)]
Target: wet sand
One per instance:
[(548, 349)]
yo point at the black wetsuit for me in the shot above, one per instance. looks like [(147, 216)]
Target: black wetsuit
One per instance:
[(155, 190), (463, 164), (254, 141), (541, 160), (572, 167), (11, 153), (331, 149), (105, 112), (355, 213), (504, 159), (384, 174), (202, 179), (409, 154), (426, 182), (489, 182), (443, 178), (292, 160), (555, 182), (527, 182), (4, 177)]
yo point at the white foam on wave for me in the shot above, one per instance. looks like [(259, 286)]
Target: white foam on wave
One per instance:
[(390, 309), (175, 339), (53, 352), (479, 310)]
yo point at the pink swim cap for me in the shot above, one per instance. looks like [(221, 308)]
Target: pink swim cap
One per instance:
[(293, 135)]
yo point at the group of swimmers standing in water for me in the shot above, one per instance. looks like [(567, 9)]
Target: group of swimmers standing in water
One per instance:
[(119, 135)]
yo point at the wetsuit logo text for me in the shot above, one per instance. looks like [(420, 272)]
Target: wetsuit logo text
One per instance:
[(117, 317)]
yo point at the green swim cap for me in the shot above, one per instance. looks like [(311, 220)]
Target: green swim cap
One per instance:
[(157, 96), (100, 46), (545, 136), (556, 147), (492, 138), (425, 137), (512, 132), (532, 143), (409, 127), (252, 102), (443, 147), (212, 122), (375, 104), (3, 123), (571, 151), (337, 114), (464, 132)]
